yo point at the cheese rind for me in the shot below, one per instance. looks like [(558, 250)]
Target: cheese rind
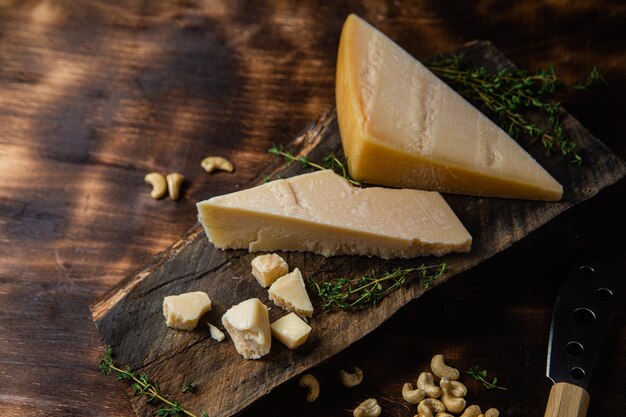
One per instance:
[(402, 126), (248, 325), (183, 311), (291, 330), (289, 292), (268, 268), (321, 212)]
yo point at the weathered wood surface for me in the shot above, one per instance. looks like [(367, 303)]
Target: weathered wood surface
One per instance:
[(96, 93), (129, 318)]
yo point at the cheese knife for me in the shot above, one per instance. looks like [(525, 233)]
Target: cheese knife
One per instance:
[(585, 305)]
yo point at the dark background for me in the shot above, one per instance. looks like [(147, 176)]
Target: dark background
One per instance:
[(95, 94)]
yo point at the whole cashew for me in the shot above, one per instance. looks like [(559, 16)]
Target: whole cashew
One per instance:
[(453, 404), (351, 380), (412, 396), (471, 411), (492, 412), (439, 367), (427, 407), (443, 415), (368, 408), (456, 388), (211, 163), (159, 186), (174, 182), (310, 382), (426, 383)]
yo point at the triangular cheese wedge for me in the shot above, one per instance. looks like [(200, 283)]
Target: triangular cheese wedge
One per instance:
[(402, 126), (321, 212), (290, 293)]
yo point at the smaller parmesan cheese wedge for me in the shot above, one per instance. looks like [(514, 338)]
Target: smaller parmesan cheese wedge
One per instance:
[(321, 212), (290, 293), (248, 324), (183, 311), (291, 330), (268, 268), (216, 333)]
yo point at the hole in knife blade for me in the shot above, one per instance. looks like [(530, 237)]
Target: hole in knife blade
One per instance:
[(586, 271), (584, 317), (604, 294), (577, 373), (575, 348)]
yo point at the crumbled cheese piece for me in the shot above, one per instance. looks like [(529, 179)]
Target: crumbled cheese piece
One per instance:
[(289, 292), (248, 325), (183, 311), (268, 268), (291, 330)]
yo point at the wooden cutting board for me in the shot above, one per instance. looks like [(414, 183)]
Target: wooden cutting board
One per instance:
[(130, 319)]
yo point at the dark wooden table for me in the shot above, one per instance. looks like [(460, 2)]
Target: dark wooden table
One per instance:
[(94, 94)]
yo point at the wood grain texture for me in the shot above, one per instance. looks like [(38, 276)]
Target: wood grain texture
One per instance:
[(95, 93), (567, 400), (194, 264)]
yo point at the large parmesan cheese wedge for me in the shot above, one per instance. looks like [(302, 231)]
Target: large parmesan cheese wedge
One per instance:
[(402, 126), (321, 212)]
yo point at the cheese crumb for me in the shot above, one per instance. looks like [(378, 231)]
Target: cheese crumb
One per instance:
[(216, 333)]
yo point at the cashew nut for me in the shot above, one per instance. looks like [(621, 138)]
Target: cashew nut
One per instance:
[(310, 382), (492, 412), (159, 186), (453, 404), (412, 396), (443, 415), (471, 411), (440, 368), (174, 181), (211, 163), (351, 380), (456, 388), (368, 408), (427, 407), (425, 382)]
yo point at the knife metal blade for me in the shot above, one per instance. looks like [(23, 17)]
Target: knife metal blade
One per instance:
[(585, 305)]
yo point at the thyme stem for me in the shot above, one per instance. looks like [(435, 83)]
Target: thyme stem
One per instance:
[(142, 386), (370, 289)]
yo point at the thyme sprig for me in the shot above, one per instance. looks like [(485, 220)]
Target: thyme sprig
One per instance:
[(141, 385), (347, 294), (481, 376), (510, 93), (188, 386), (328, 162)]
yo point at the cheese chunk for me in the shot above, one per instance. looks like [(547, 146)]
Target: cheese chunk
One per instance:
[(183, 311), (321, 212), (291, 330), (402, 126), (267, 268), (248, 324), (216, 333), (289, 292)]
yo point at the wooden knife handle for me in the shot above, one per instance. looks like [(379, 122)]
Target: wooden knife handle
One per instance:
[(567, 400)]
